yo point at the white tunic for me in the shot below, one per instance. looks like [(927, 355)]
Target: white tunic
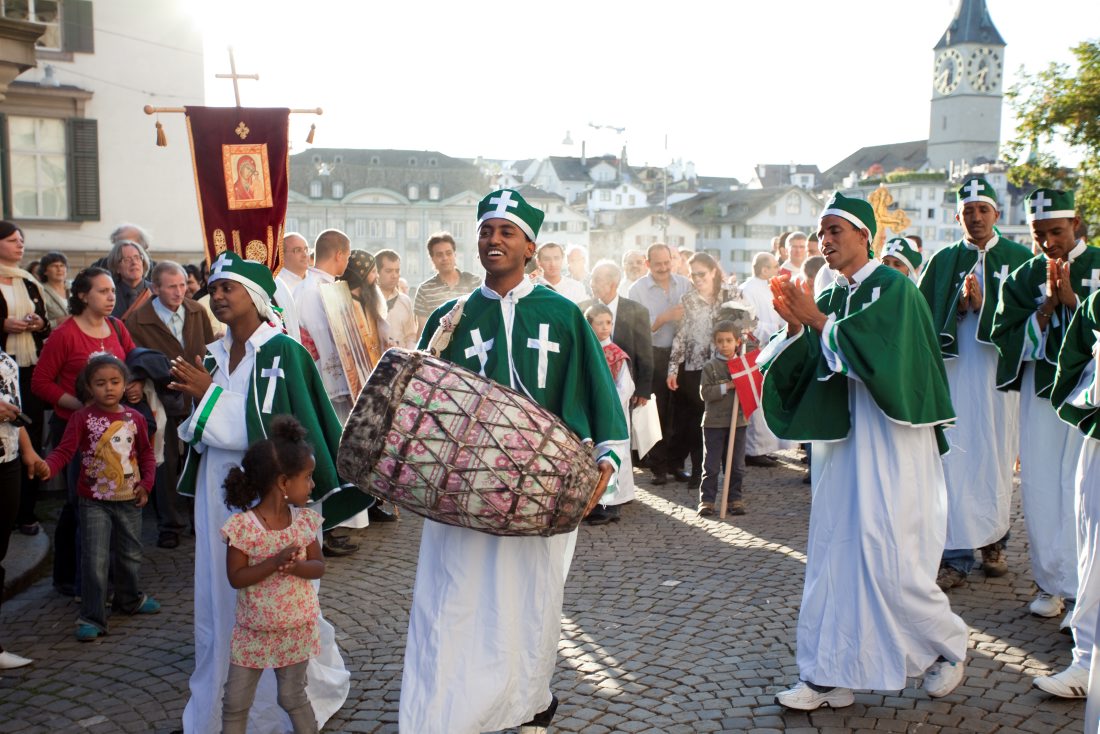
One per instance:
[(984, 443), (1086, 611), (624, 487), (223, 444), (871, 612), (1049, 449), (312, 316)]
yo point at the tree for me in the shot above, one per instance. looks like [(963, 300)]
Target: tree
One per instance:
[(1056, 105)]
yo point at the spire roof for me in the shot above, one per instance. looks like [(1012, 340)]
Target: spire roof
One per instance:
[(971, 24)]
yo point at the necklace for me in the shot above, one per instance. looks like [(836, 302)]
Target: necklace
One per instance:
[(264, 520)]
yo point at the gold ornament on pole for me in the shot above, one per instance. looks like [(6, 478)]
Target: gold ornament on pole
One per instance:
[(881, 199)]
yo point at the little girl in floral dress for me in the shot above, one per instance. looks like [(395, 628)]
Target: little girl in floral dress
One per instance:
[(273, 555)]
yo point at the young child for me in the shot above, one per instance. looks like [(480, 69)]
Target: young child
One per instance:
[(599, 318), (117, 469), (717, 390), (273, 555)]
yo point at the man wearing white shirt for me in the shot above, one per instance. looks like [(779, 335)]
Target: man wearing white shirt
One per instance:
[(551, 258), (333, 250), (797, 248), (400, 317), (295, 261), (757, 292)]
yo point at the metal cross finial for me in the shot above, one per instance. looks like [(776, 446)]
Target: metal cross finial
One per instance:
[(235, 76)]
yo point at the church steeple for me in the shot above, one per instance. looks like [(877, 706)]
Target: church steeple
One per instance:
[(971, 24)]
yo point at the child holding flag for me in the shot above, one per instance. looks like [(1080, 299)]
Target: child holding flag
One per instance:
[(717, 390)]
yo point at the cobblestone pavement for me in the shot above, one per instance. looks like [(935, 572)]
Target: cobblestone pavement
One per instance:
[(673, 623)]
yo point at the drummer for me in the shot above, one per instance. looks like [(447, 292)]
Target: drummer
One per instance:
[(486, 613)]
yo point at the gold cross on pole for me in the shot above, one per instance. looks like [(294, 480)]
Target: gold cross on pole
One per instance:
[(235, 76), (897, 220)]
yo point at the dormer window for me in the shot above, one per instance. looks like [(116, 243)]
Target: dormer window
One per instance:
[(414, 192), (375, 160), (412, 161), (433, 162), (338, 159), (433, 192), (337, 190), (315, 189)]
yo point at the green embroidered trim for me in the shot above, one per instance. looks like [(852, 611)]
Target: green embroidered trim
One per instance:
[(204, 415)]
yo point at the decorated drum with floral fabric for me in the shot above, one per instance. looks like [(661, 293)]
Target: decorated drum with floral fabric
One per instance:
[(457, 448)]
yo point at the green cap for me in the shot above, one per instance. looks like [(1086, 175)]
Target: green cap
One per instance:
[(508, 204), (856, 211), (249, 273), (903, 249), (977, 188), (1050, 204)]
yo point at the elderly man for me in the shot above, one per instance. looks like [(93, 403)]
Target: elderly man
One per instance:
[(447, 283), (962, 284), (400, 317), (486, 612), (576, 260), (295, 261), (177, 326), (843, 375), (661, 292), (551, 258), (634, 267), (129, 265)]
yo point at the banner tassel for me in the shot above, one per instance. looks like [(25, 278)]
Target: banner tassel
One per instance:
[(162, 140), (309, 138)]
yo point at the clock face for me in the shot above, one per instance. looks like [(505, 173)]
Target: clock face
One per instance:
[(983, 69), (948, 72)]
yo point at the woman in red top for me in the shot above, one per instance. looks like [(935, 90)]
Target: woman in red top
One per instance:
[(90, 331)]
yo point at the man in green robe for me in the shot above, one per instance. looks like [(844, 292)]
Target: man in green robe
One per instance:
[(859, 374), (1037, 301), (486, 613), (962, 284), (251, 375)]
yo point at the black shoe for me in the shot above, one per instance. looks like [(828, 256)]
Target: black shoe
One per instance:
[(168, 539), (335, 546), (377, 514), (694, 481), (681, 476), (761, 460), (613, 512), (659, 478), (541, 722), (806, 479), (598, 516)]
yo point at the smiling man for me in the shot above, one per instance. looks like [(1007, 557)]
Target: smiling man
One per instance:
[(962, 283), (858, 373), (486, 614), (1037, 302)]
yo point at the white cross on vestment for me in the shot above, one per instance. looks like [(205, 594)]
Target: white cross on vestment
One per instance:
[(545, 346), (1039, 205), (504, 202), (273, 374), (220, 264), (480, 349), (974, 188), (1092, 283), (1001, 275)]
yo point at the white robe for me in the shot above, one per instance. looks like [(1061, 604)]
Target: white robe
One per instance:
[(223, 444), (984, 444), (312, 316), (1049, 449), (1086, 611), (624, 487), (871, 612)]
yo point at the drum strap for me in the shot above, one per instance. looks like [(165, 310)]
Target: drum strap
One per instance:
[(441, 339)]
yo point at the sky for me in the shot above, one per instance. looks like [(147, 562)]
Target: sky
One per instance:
[(726, 83)]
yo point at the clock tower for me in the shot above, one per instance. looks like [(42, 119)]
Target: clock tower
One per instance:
[(967, 77)]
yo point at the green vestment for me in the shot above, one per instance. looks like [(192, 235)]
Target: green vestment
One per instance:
[(1076, 355)]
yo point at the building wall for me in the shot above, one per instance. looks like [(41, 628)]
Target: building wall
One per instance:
[(965, 124), (151, 53)]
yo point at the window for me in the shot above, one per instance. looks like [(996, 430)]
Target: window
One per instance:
[(605, 195), (412, 229), (433, 192), (435, 225), (458, 229), (931, 213), (375, 160), (337, 190), (391, 229), (794, 203), (374, 228), (316, 226), (315, 189), (433, 162), (46, 12), (630, 200), (360, 228), (39, 181), (618, 199), (412, 162), (291, 224), (414, 192)]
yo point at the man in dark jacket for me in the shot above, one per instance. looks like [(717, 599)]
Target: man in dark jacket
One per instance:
[(178, 327), (631, 326)]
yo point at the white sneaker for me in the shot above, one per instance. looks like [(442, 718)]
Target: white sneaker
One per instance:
[(1047, 605), (804, 698), (9, 660), (943, 677), (1073, 682)]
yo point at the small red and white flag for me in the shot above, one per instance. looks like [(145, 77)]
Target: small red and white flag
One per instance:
[(747, 380)]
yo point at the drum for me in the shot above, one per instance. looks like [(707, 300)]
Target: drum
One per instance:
[(446, 443)]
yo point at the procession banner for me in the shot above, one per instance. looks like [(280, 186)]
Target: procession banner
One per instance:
[(240, 156), (350, 332)]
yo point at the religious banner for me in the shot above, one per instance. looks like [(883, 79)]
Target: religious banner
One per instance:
[(240, 156), (350, 332)]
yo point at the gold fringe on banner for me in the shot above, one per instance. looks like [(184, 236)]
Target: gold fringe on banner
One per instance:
[(309, 138)]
